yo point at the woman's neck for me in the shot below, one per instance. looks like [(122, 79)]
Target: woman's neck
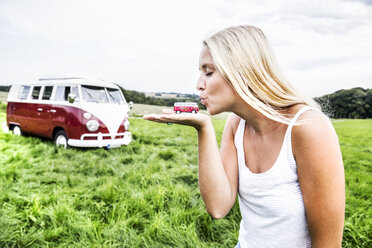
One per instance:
[(256, 121)]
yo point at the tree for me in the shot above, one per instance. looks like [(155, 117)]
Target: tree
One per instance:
[(351, 103)]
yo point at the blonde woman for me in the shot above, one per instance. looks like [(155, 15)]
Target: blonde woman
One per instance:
[(278, 152)]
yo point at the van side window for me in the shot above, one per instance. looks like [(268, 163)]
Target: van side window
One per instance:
[(36, 92), (74, 90), (63, 91), (23, 92), (47, 92)]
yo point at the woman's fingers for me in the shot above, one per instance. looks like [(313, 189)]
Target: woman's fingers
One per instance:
[(167, 111), (195, 120)]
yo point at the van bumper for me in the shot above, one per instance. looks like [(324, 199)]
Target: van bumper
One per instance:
[(100, 142)]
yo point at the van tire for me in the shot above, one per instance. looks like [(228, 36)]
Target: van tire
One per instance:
[(61, 139), (194, 112), (17, 130), (178, 112)]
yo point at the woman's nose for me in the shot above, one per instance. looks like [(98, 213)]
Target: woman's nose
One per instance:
[(200, 84)]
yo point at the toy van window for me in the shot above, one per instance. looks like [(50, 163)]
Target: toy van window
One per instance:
[(115, 96), (47, 92), (36, 92), (94, 94), (23, 92)]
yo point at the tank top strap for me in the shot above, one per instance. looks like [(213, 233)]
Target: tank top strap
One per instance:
[(293, 121), (238, 140), (297, 115), (239, 132)]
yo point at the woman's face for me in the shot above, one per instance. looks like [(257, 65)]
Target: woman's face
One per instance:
[(215, 92)]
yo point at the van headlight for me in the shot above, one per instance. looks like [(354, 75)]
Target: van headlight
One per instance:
[(126, 125), (92, 125)]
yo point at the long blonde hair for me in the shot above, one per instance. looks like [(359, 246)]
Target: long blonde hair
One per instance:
[(244, 57)]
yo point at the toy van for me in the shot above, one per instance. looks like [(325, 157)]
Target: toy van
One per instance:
[(189, 107), (74, 112)]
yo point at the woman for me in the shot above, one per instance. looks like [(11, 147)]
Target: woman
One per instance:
[(278, 151)]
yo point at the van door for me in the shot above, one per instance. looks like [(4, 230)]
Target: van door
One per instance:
[(43, 115), (31, 116), (18, 110), (64, 114)]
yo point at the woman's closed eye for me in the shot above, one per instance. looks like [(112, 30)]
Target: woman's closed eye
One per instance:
[(207, 74)]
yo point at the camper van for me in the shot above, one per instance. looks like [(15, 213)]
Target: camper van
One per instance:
[(74, 112), (188, 107)]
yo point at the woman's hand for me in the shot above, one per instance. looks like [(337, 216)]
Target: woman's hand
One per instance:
[(198, 121)]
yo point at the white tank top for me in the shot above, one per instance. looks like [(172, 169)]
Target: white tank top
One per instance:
[(271, 204)]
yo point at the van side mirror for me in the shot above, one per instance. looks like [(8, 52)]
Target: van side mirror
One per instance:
[(131, 104), (71, 98)]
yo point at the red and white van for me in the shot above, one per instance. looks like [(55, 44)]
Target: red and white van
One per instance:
[(189, 107), (71, 111)]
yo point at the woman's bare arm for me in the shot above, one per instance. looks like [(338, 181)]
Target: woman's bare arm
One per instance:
[(321, 176), (218, 171)]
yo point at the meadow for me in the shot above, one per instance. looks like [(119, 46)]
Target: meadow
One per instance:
[(142, 195)]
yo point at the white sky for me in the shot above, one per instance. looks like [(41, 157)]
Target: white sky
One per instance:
[(153, 46)]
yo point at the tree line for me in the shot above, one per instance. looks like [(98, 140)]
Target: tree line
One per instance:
[(353, 103), (139, 97), (4, 88)]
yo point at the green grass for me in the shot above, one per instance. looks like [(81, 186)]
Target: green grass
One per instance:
[(355, 138), (142, 195)]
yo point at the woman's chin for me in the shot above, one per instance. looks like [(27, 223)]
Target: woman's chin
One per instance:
[(212, 111)]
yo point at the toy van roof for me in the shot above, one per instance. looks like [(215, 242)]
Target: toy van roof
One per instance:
[(185, 104), (69, 81)]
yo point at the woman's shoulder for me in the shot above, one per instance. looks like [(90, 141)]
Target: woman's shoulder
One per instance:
[(232, 122), (311, 119), (312, 128)]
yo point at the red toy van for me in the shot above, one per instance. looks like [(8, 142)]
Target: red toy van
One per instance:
[(71, 111), (189, 107)]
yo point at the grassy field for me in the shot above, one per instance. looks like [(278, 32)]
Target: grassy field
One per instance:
[(142, 195)]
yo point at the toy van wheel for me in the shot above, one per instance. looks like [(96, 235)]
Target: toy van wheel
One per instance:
[(61, 139), (194, 112), (178, 112), (17, 131)]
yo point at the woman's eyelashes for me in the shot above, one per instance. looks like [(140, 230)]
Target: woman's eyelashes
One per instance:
[(207, 74)]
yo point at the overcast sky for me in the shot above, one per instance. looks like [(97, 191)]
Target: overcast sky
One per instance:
[(153, 46)]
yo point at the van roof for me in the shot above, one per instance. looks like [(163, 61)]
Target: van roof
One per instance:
[(185, 103), (69, 81)]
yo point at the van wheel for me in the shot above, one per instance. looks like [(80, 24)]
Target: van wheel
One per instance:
[(178, 112), (17, 130), (61, 139), (194, 112)]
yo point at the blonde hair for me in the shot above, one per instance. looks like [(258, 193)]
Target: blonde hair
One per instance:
[(244, 57)]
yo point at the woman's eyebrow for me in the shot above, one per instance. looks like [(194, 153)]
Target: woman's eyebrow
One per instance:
[(204, 66)]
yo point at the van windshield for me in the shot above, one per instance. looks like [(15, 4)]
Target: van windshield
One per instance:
[(94, 94), (115, 96)]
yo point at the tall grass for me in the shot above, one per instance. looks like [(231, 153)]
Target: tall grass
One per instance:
[(355, 138), (142, 195)]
